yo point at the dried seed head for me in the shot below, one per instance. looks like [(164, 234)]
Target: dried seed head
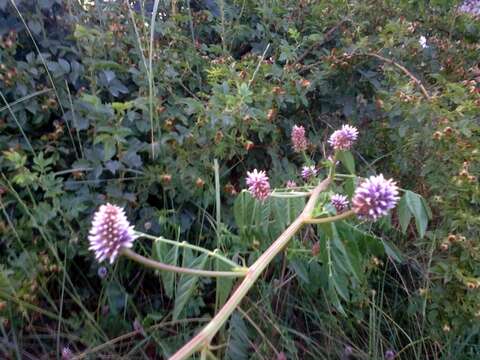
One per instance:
[(199, 183), (444, 246), (166, 178)]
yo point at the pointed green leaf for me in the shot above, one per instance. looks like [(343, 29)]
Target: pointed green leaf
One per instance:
[(187, 283), (332, 294), (347, 160), (404, 214), (224, 284), (417, 208), (392, 251), (347, 259), (300, 268), (169, 255), (239, 343)]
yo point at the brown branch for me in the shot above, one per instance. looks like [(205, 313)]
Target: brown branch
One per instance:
[(205, 336), (406, 72)]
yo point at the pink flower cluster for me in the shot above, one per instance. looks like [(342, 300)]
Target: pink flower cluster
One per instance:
[(375, 197), (344, 138), (110, 232), (299, 141), (258, 184), (471, 7), (309, 172), (339, 202)]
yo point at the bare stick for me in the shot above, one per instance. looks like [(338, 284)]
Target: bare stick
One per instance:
[(405, 70), (205, 336)]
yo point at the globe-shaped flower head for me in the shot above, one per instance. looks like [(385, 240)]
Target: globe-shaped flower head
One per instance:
[(110, 232), (344, 138), (258, 185), (470, 7), (339, 202), (375, 197), (308, 172), (299, 141)]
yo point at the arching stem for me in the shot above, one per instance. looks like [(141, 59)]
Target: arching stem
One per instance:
[(238, 272)]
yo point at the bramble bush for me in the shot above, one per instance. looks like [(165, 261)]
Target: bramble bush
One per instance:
[(162, 107)]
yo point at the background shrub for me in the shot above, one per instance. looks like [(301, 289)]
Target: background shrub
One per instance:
[(102, 103)]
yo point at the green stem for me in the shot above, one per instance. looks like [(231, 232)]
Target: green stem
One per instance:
[(239, 272), (205, 336), (203, 354), (324, 220), (210, 355), (293, 194), (334, 165), (346, 176), (184, 244)]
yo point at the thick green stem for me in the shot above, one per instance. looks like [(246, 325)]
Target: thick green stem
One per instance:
[(205, 336), (240, 272), (184, 244), (324, 220)]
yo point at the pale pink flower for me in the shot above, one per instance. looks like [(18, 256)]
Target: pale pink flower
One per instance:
[(291, 184), (308, 172), (258, 185), (339, 202), (299, 141), (67, 353), (344, 138), (110, 232), (375, 197)]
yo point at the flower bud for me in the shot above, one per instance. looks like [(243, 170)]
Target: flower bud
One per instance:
[(199, 183), (248, 145), (448, 131), (166, 179), (271, 115)]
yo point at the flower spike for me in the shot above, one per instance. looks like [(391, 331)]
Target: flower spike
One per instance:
[(110, 232)]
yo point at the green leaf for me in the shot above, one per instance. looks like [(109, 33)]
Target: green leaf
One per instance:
[(285, 211), (332, 294), (355, 259), (347, 259), (340, 283), (168, 255), (347, 160), (300, 268), (404, 214), (110, 149), (224, 284), (187, 283), (392, 251), (243, 210), (253, 218), (239, 344), (419, 211)]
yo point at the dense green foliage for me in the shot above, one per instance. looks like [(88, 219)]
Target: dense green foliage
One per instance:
[(98, 107)]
